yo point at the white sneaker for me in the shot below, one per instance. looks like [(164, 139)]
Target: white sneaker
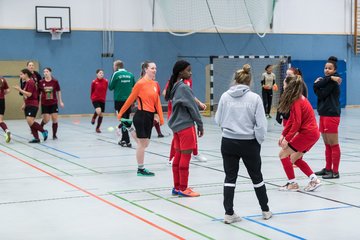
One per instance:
[(199, 158), (290, 187), (266, 215), (231, 218), (314, 184)]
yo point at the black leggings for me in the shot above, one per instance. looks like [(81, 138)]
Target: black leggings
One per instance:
[(249, 150), (267, 100)]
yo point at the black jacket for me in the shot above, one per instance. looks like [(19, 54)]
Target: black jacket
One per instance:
[(328, 93)]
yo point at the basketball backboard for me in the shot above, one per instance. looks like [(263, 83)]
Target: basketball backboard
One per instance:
[(49, 17)]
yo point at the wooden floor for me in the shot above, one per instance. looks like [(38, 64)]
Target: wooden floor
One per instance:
[(84, 186)]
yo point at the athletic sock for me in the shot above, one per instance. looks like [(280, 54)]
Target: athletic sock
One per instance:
[(157, 127), (304, 167), (42, 123), (141, 166), (288, 168), (3, 126), (54, 128), (34, 132), (99, 121), (335, 156), (328, 154), (184, 170), (38, 127)]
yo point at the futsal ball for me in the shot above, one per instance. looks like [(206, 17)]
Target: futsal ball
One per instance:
[(110, 129), (275, 87)]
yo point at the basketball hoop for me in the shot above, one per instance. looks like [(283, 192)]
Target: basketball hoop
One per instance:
[(56, 33)]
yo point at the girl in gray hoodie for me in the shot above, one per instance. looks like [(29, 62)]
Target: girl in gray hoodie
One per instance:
[(241, 116)]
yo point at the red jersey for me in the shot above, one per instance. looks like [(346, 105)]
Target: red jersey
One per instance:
[(30, 87), (98, 90), (48, 90), (301, 120), (3, 87)]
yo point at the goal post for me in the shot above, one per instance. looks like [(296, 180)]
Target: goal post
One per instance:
[(222, 68)]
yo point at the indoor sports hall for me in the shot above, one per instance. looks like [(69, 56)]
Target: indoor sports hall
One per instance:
[(82, 184)]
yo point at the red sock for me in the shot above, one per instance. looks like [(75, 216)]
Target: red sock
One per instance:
[(304, 167), (336, 153), (94, 116), (3, 126), (184, 170), (157, 127), (99, 122), (288, 168), (175, 170), (54, 129), (328, 155)]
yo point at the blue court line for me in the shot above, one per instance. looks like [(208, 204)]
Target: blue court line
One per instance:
[(250, 218), (55, 149)]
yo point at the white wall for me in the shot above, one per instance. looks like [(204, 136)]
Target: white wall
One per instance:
[(291, 16)]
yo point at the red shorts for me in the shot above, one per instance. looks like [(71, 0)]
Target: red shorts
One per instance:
[(329, 124), (303, 142), (185, 139)]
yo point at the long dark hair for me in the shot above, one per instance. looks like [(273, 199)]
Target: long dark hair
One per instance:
[(178, 67), (293, 91)]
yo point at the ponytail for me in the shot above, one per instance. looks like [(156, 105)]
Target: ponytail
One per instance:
[(178, 67)]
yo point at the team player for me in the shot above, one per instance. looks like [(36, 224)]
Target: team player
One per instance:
[(99, 88), (328, 106), (122, 82), (196, 155), (148, 101), (50, 96), (34, 75), (241, 116), (4, 89), (299, 135), (267, 82), (185, 113), (31, 105)]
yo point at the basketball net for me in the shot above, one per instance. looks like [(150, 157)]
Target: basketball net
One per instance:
[(56, 33)]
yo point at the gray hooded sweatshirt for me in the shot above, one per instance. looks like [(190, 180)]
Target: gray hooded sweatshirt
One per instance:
[(184, 109), (241, 114)]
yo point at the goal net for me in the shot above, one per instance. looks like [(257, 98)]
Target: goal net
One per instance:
[(223, 69), (190, 16)]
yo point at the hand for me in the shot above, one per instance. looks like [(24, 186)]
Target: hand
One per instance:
[(284, 144), (280, 140), (16, 87), (318, 79), (200, 133), (62, 104), (202, 106), (336, 79), (156, 118)]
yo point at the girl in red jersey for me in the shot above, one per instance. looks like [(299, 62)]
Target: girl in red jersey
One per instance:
[(50, 96), (182, 122), (148, 101), (31, 105), (34, 75), (328, 106), (99, 88), (299, 135), (4, 89)]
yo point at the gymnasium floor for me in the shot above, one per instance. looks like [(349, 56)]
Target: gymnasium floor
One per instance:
[(84, 186)]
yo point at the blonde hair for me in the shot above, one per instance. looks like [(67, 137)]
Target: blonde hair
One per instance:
[(243, 76)]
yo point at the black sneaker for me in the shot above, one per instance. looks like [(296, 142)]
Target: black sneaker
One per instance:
[(125, 144), (331, 175), (55, 137), (160, 135), (323, 172), (145, 173), (34, 141)]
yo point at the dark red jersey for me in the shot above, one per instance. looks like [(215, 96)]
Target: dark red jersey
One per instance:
[(3, 87), (30, 87), (48, 90)]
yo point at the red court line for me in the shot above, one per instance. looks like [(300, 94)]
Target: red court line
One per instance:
[(95, 196)]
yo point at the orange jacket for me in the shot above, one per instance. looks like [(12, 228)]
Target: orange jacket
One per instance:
[(145, 92)]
